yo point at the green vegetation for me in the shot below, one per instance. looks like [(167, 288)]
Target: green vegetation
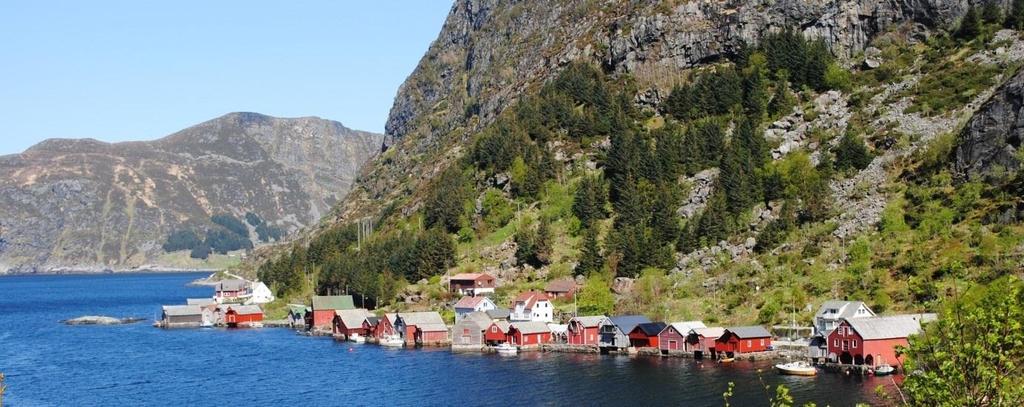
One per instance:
[(228, 235), (973, 354)]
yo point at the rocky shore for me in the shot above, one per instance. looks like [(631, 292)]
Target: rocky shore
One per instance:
[(101, 320)]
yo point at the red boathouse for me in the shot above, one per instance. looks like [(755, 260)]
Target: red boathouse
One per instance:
[(872, 341), (645, 335), (744, 339)]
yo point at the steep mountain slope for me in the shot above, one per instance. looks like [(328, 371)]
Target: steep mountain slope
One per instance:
[(734, 162), (489, 52), (86, 204)]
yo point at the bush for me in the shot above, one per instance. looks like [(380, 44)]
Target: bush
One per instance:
[(970, 25), (838, 78), (851, 153), (230, 223), (182, 240)]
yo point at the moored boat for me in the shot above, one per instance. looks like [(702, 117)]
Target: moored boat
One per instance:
[(506, 349), (357, 338), (796, 369), (726, 360), (392, 341), (884, 369)]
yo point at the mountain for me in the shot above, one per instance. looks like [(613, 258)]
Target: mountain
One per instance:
[(86, 204), (739, 161)]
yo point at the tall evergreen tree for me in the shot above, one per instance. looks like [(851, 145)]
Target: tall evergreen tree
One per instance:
[(435, 252), (781, 103), (755, 93), (991, 13), (444, 206), (970, 25), (590, 200), (664, 219), (1015, 17), (733, 181), (713, 225), (591, 261)]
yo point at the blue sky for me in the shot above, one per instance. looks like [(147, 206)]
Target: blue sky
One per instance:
[(139, 70)]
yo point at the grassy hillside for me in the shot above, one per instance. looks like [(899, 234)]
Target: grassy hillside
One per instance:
[(831, 183)]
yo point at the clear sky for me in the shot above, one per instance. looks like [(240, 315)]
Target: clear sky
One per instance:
[(139, 70)]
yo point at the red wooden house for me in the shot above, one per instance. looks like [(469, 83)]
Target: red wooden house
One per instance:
[(529, 334), (386, 326), (422, 328), (744, 339), (673, 337), (584, 330), (349, 322), (370, 325), (872, 341), (498, 333), (242, 315), (323, 310), (701, 341), (645, 335), (563, 288)]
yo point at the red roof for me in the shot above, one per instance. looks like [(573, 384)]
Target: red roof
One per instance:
[(469, 302), (530, 298), (561, 286)]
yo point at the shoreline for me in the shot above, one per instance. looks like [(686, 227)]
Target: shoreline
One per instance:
[(70, 271)]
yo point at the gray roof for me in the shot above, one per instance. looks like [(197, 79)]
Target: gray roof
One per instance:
[(373, 320), (232, 285), (589, 321), (531, 327), (626, 323), (503, 326), (478, 320), (895, 326), (685, 327), (498, 313), (846, 309), (749, 331), (352, 317), (712, 332), (182, 310), (421, 318)]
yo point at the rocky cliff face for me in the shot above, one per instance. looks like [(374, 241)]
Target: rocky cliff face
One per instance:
[(88, 204), (992, 138), (491, 51)]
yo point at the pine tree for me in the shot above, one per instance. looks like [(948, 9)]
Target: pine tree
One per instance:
[(782, 102), (991, 13), (1015, 17), (851, 153), (591, 261), (970, 25), (733, 182), (544, 246), (713, 225), (755, 100), (590, 200), (748, 136), (444, 206), (435, 252), (664, 219)]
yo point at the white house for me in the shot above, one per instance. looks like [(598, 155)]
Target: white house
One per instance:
[(261, 294), (467, 305), (832, 312), (532, 306)]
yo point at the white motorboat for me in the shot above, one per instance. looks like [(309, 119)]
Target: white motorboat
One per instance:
[(392, 341), (506, 349), (797, 369), (357, 338), (884, 369)]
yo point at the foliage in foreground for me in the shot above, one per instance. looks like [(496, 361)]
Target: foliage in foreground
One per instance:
[(974, 354)]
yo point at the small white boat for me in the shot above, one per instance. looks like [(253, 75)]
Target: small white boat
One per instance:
[(357, 338), (796, 369), (392, 341), (884, 369), (506, 349)]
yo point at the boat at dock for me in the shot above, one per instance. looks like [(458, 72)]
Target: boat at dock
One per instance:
[(796, 369), (726, 360), (392, 341), (357, 338), (884, 369), (506, 349)]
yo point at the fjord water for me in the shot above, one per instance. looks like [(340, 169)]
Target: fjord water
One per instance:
[(48, 363)]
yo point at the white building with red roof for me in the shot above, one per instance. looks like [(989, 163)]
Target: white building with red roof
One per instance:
[(467, 305), (532, 306)]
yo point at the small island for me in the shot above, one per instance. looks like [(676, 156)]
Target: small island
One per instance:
[(101, 320)]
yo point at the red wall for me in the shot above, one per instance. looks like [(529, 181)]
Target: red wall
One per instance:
[(233, 318), (670, 334), (491, 335), (384, 328), (585, 336), (323, 318), (639, 339), (433, 336), (734, 344), (519, 338), (880, 350)]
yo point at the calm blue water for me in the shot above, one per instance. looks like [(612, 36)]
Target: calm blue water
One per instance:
[(48, 363)]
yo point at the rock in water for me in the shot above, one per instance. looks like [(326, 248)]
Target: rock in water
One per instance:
[(101, 320)]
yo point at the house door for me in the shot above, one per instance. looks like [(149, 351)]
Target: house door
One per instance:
[(672, 345)]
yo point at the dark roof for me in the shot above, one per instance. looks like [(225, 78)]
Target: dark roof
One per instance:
[(626, 323), (498, 313), (373, 320), (749, 331), (650, 328), (232, 285)]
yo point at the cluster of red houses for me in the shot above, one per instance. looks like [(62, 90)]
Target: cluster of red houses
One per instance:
[(849, 333), (200, 312)]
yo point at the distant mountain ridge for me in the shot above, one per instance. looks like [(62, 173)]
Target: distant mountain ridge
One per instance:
[(87, 204)]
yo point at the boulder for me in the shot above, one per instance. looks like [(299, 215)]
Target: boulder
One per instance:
[(101, 320), (622, 285)]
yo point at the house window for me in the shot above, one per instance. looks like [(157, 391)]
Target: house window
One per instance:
[(748, 343), (465, 331), (494, 329), (837, 343), (762, 342), (854, 343)]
